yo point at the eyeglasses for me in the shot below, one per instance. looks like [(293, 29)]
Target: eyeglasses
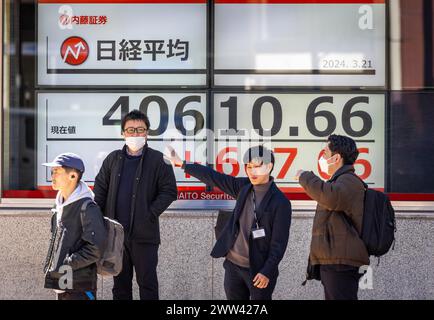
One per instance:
[(139, 130)]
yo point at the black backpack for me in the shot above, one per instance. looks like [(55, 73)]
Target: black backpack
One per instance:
[(110, 264), (378, 224)]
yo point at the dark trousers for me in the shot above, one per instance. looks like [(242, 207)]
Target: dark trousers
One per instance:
[(238, 284), (143, 257), (340, 282), (77, 295)]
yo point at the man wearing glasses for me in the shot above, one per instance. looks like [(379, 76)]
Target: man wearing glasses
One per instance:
[(135, 186)]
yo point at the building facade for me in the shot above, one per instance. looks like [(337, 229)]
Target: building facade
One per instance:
[(216, 77)]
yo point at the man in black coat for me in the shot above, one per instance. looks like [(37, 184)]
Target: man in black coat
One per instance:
[(254, 240), (135, 186)]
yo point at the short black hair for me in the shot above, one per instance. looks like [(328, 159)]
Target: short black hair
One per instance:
[(135, 115), (345, 146), (261, 152), (77, 172)]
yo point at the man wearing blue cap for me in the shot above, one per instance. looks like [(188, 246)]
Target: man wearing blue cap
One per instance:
[(77, 233)]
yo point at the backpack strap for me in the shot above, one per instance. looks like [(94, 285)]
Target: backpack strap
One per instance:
[(364, 183), (84, 208), (85, 204)]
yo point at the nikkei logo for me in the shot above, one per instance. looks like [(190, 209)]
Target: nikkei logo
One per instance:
[(74, 51)]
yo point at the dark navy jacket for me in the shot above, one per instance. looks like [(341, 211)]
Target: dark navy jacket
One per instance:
[(274, 215), (154, 190)]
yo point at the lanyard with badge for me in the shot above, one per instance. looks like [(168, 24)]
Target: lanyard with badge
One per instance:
[(257, 233)]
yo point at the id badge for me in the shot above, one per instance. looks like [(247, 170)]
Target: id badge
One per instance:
[(258, 233)]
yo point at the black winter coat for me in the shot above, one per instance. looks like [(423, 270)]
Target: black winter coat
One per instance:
[(153, 192), (79, 243)]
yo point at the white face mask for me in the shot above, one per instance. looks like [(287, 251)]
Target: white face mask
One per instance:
[(135, 143), (324, 165)]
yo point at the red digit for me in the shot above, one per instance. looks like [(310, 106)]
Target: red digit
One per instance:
[(365, 163), (292, 153), (233, 162), (187, 158)]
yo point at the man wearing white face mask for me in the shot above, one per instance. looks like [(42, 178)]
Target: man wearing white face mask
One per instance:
[(254, 240), (336, 251), (135, 186)]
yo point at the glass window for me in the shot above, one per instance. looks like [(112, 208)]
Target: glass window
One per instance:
[(19, 117), (65, 88), (411, 49)]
